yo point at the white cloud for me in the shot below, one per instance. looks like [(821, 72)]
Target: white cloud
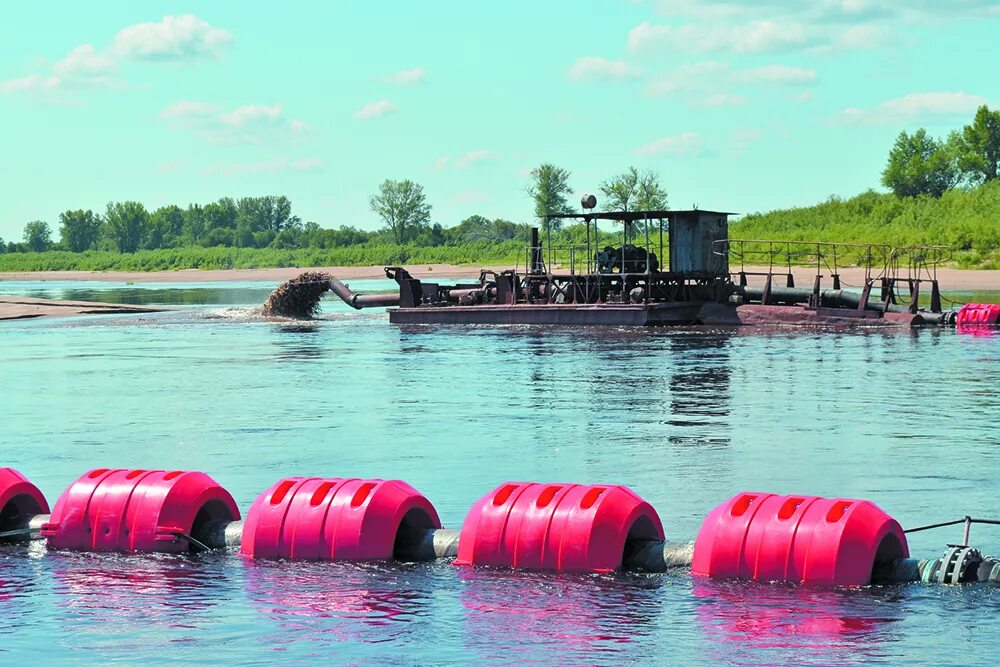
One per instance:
[(594, 68), (183, 37), (252, 114), (375, 109), (175, 38), (763, 36), (777, 75), (829, 11), (713, 84), (804, 96), (188, 109), (911, 108), (86, 62), (307, 164), (441, 162), (688, 144), (473, 157), (268, 167), (407, 77), (250, 123), (722, 100), (32, 82)]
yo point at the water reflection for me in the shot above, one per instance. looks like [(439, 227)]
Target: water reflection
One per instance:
[(511, 615), (299, 342), (370, 602), (775, 624), (136, 603)]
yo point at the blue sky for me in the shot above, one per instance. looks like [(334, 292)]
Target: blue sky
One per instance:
[(739, 105)]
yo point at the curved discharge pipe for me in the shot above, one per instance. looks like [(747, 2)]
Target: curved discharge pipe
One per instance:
[(359, 301)]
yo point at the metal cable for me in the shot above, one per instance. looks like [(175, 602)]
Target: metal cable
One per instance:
[(956, 522)]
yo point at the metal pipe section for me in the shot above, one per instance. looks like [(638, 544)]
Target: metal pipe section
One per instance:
[(359, 301), (835, 297)]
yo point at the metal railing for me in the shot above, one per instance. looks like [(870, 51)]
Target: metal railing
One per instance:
[(878, 260)]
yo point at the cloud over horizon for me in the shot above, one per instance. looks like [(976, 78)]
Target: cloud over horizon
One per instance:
[(172, 39)]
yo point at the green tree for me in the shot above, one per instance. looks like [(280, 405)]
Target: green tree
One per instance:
[(549, 188), (633, 190), (402, 207), (80, 230), (38, 236), (128, 223), (621, 190), (3, 247), (919, 164), (979, 143), (651, 196), (166, 227)]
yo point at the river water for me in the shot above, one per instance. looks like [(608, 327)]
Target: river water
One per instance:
[(686, 418)]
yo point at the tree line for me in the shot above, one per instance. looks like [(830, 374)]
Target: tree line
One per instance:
[(268, 222), (920, 164)]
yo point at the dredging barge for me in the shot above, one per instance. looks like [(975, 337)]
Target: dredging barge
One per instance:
[(626, 285)]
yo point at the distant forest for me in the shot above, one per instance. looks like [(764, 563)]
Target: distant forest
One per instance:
[(944, 192)]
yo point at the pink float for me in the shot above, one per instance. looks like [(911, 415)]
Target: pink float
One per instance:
[(798, 539), (972, 314), (561, 527), (309, 518), (19, 500), (136, 510)]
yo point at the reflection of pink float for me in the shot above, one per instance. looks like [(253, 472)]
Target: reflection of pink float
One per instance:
[(800, 539), (737, 616)]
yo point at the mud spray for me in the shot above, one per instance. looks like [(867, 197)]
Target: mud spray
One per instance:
[(299, 297)]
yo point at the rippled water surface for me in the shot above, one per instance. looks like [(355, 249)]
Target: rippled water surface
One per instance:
[(687, 418)]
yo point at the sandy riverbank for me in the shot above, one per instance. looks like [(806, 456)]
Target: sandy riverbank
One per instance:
[(24, 308), (950, 279)]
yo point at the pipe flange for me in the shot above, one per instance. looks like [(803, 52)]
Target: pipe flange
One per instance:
[(959, 565)]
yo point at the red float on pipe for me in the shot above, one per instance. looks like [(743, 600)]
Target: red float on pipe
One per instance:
[(799, 539), (309, 518), (19, 500), (978, 313), (136, 510), (562, 527)]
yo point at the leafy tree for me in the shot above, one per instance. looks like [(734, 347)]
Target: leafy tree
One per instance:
[(128, 223), (633, 190), (549, 188), (220, 214), (979, 144), (402, 207), (921, 165), (166, 227), (3, 246), (195, 224), (37, 236), (80, 230), (621, 190), (651, 196)]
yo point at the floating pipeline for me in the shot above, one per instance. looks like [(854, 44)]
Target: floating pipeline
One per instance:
[(764, 537)]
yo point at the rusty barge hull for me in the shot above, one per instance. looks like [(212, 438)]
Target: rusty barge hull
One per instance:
[(647, 315)]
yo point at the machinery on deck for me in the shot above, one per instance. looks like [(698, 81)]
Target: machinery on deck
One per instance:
[(674, 268)]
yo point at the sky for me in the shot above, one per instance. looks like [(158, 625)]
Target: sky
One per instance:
[(741, 105)]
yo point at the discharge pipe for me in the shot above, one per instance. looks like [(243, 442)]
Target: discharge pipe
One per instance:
[(359, 301), (835, 297)]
